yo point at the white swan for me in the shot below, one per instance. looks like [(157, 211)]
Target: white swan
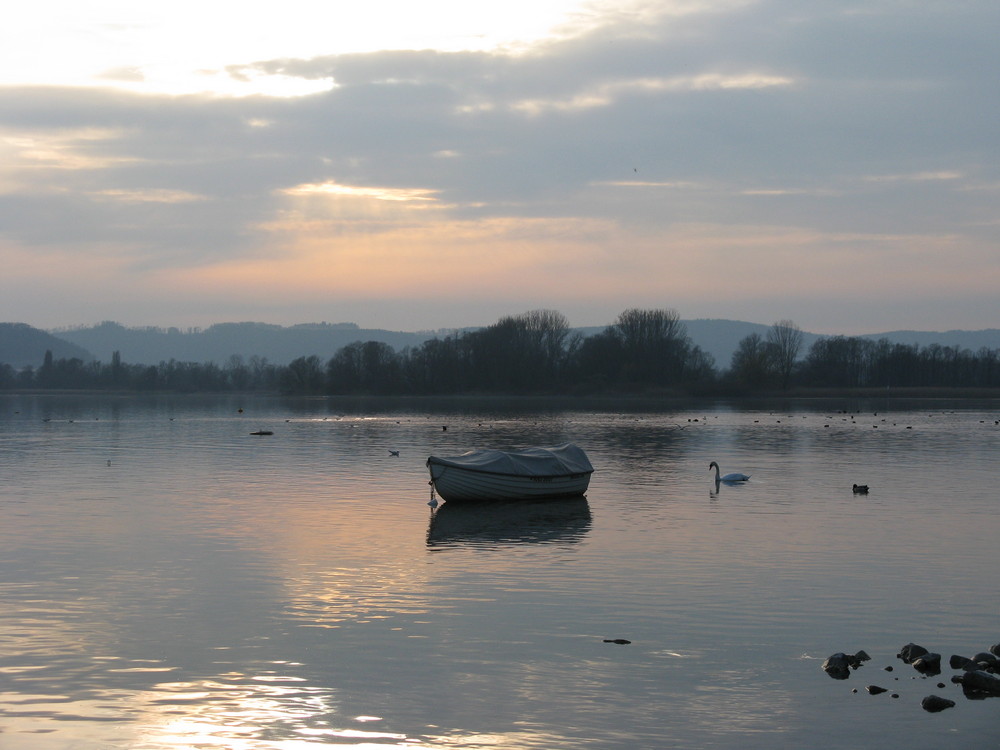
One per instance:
[(734, 477)]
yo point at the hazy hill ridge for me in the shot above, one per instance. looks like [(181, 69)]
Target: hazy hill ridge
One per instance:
[(217, 343), (22, 345)]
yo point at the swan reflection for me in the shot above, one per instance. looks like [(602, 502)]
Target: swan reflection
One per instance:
[(718, 484), (509, 522)]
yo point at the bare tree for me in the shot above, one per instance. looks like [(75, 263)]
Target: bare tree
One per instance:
[(786, 339), (752, 363), (654, 344)]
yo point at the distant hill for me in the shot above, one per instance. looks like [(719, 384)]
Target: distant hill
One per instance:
[(972, 340), (21, 346), (721, 338), (278, 344), (281, 344)]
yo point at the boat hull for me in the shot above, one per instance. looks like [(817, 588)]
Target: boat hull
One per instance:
[(455, 484)]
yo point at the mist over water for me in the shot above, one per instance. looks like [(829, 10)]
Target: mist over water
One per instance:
[(168, 580)]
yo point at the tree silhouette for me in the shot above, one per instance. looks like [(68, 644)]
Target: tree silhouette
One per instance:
[(786, 338)]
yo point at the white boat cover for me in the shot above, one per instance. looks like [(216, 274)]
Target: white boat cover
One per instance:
[(553, 461)]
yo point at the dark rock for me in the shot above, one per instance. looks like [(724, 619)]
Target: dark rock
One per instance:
[(911, 652), (888, 669), (935, 703), (875, 689), (619, 641), (839, 665), (984, 659), (928, 664), (961, 662), (978, 681)]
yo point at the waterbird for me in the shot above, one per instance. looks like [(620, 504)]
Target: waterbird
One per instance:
[(734, 477), (393, 453), (860, 489)]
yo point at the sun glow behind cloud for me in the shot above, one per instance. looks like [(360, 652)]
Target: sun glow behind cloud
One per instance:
[(378, 193), (187, 46), (356, 257), (360, 256), (61, 150)]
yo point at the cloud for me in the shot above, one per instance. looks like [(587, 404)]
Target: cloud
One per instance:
[(130, 74), (378, 193), (619, 154)]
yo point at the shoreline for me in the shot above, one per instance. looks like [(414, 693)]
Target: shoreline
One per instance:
[(707, 395)]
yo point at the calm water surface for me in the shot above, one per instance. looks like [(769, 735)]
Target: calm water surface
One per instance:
[(169, 581)]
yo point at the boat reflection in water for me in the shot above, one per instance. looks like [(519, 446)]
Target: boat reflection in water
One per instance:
[(501, 523)]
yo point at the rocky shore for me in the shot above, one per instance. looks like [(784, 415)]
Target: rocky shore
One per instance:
[(978, 675)]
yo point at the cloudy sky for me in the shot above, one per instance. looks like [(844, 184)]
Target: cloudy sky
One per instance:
[(422, 165)]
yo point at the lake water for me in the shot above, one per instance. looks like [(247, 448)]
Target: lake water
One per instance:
[(169, 581)]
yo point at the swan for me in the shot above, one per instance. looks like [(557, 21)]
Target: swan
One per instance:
[(734, 477)]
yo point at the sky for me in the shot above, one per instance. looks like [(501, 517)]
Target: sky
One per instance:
[(416, 166)]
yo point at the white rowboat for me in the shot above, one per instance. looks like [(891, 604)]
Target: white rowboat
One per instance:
[(531, 474)]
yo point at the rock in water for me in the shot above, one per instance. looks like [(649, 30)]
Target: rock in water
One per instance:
[(985, 660), (911, 652), (978, 681), (935, 703), (961, 662), (839, 665), (928, 664)]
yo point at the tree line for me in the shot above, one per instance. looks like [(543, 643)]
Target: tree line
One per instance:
[(643, 351)]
